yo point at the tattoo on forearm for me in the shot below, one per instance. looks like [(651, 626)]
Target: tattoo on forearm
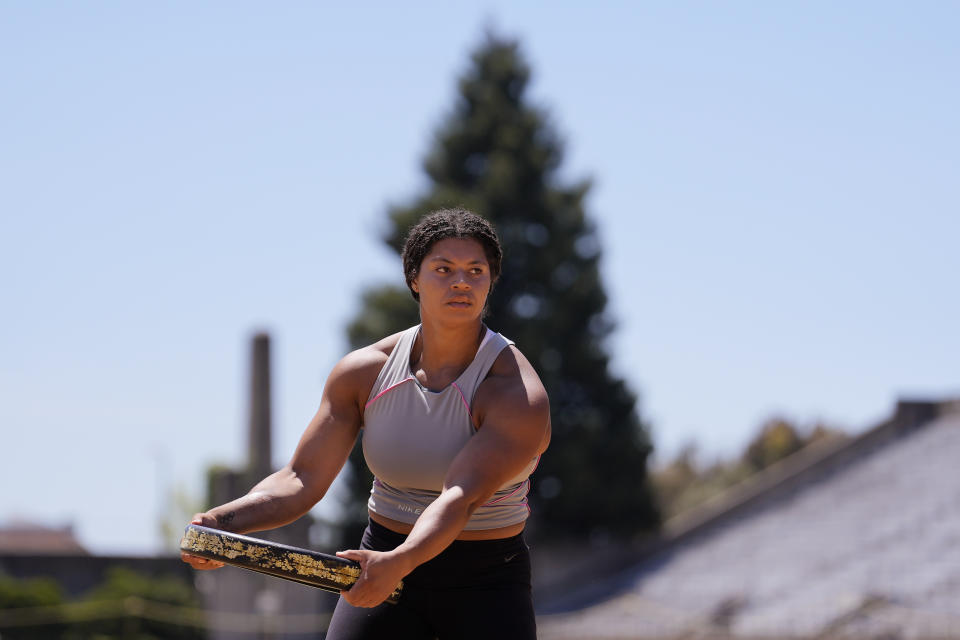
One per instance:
[(225, 520)]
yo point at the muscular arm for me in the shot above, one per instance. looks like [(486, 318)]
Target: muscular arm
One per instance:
[(284, 496), (514, 429), (287, 494), (510, 437)]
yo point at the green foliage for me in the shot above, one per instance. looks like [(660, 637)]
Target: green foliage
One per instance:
[(131, 588), (36, 592), (683, 483), (777, 440), (498, 156), (122, 583), (384, 309), (30, 595), (126, 606)]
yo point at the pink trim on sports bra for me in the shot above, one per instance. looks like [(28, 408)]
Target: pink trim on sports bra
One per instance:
[(462, 397), (525, 483), (390, 388)]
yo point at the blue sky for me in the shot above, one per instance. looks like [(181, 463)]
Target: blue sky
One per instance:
[(775, 186)]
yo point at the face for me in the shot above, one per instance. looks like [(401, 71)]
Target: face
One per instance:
[(454, 279)]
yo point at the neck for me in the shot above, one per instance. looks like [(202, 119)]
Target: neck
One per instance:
[(443, 346)]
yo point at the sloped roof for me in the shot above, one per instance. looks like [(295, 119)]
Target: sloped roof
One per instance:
[(868, 546), (27, 538)]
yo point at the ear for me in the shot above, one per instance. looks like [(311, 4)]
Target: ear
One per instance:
[(414, 286)]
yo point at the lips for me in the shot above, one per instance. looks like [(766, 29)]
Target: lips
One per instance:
[(460, 302)]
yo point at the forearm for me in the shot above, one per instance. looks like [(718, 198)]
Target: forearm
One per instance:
[(278, 499), (436, 528)]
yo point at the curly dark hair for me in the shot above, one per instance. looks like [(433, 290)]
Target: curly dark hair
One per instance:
[(449, 223)]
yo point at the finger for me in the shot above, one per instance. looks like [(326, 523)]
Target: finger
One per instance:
[(199, 563), (186, 557), (353, 554), (357, 593)]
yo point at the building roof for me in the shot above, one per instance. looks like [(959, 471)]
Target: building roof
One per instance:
[(863, 541), (31, 539)]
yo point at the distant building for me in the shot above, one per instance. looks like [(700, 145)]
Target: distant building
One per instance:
[(30, 551), (849, 539), (238, 604), (29, 538)]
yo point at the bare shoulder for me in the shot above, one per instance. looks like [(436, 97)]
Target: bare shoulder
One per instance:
[(356, 372), (512, 384), (370, 355)]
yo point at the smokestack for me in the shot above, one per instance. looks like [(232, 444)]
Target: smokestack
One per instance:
[(259, 452)]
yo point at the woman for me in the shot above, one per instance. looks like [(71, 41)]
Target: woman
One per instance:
[(453, 420)]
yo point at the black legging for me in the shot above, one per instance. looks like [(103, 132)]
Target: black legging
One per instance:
[(473, 589)]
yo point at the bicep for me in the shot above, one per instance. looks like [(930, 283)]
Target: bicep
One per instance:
[(513, 432), (327, 441)]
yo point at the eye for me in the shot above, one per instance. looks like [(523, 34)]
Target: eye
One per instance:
[(476, 271), (442, 269)]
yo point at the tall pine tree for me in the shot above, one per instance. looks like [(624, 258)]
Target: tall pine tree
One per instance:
[(496, 155)]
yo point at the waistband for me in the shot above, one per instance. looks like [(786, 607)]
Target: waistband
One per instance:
[(465, 563)]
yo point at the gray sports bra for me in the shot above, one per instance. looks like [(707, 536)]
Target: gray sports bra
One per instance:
[(412, 434)]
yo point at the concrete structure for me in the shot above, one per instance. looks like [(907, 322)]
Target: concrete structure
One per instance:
[(259, 432), (853, 539)]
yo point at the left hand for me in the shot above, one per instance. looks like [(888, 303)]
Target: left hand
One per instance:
[(204, 520), (380, 574)]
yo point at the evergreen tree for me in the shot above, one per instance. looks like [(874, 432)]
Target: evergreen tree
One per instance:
[(497, 155)]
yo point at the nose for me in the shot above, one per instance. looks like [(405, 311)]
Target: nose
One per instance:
[(460, 281)]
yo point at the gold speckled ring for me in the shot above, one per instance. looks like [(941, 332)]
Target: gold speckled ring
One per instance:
[(283, 561)]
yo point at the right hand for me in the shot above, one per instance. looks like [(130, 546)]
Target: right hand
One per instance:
[(205, 520)]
